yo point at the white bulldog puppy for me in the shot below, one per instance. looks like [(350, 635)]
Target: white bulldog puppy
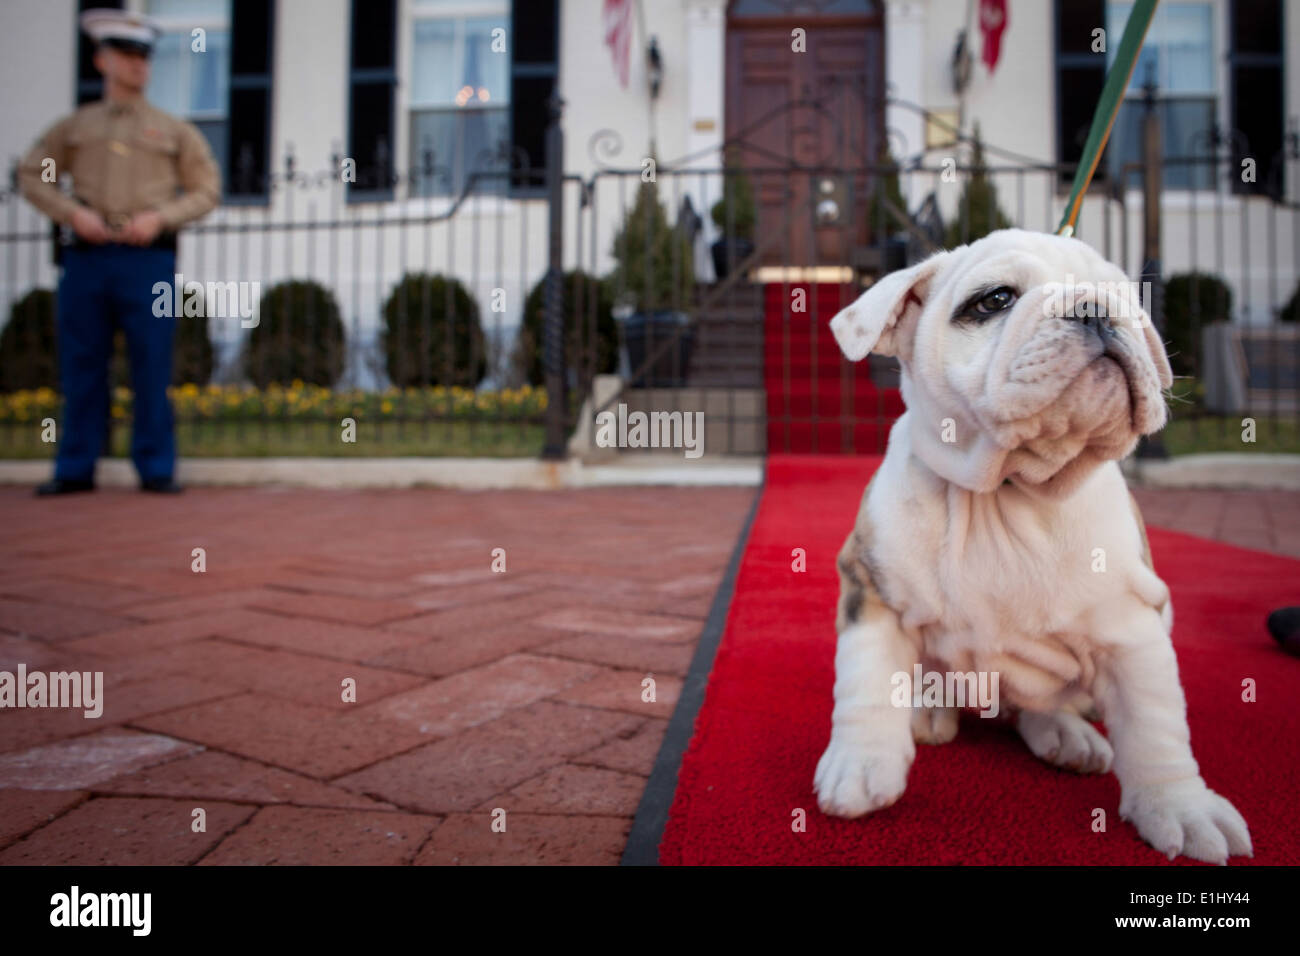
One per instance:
[(999, 537)]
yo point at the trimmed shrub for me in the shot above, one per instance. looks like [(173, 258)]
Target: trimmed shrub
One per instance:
[(1192, 301), (29, 351), (299, 336), (432, 333), (596, 358), (28, 357), (192, 351)]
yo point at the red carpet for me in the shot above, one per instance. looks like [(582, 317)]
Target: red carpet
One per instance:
[(817, 401), (982, 799)]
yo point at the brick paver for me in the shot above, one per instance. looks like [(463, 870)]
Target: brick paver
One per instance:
[(350, 682)]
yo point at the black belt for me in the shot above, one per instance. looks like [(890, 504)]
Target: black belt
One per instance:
[(66, 238), (164, 240)]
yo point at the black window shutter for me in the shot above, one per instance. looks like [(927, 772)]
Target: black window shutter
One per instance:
[(252, 44), (1256, 99), (372, 83), (1080, 75), (90, 85), (534, 71)]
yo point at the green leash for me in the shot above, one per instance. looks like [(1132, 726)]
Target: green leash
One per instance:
[(1112, 97)]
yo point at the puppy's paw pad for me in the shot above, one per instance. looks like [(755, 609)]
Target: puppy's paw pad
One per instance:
[(1188, 819), (1066, 740), (934, 725), (853, 779)]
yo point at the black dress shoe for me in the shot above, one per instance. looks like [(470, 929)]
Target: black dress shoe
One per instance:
[(65, 486), (1284, 625), (163, 486)]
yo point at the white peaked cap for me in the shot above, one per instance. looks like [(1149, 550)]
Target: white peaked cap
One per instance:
[(105, 24)]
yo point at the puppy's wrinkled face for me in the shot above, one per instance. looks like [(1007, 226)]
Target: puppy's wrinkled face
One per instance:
[(1026, 356)]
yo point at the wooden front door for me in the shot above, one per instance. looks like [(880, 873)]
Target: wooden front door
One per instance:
[(806, 123)]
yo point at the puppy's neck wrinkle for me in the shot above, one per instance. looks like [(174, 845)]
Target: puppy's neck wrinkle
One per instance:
[(1009, 520), (993, 519)]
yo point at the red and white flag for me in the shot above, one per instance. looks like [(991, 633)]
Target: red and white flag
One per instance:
[(993, 23), (618, 35)]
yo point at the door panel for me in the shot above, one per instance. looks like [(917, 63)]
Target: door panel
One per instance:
[(817, 117)]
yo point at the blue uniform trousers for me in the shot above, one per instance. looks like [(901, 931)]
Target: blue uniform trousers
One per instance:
[(104, 288)]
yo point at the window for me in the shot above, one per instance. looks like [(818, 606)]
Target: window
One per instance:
[(1255, 94), (534, 71), (372, 85), (194, 84), (248, 153), (1080, 75), (1178, 57), (460, 97)]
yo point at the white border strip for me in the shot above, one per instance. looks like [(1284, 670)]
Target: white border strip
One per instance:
[(464, 473)]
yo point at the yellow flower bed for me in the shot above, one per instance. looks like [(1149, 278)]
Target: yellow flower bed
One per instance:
[(300, 401)]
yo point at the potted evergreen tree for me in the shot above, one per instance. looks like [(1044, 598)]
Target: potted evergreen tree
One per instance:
[(734, 215), (978, 213), (653, 280), (886, 216)]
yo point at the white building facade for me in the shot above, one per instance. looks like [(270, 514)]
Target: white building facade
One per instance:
[(469, 79)]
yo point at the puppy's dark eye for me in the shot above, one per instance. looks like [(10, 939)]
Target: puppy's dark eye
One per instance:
[(988, 303), (995, 301)]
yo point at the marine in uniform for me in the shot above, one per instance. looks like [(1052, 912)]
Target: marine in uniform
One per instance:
[(137, 175)]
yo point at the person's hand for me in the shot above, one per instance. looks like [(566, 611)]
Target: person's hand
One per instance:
[(143, 228), (88, 224)]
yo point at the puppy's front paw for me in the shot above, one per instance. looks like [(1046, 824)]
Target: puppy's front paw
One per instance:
[(1187, 818), (853, 779), (1065, 740)]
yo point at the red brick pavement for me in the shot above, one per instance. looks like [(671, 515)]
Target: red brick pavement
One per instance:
[(476, 692)]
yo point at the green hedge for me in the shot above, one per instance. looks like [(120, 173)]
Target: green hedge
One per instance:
[(432, 333), (299, 336), (1192, 301), (583, 354), (29, 348)]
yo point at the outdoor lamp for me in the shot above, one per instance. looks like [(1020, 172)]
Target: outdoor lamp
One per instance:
[(656, 67)]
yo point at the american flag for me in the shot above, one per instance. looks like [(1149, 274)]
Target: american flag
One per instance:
[(618, 35)]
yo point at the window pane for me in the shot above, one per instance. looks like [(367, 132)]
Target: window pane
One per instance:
[(1186, 39), (433, 64), (453, 65), (166, 88), (1185, 126), (1177, 53), (216, 133), (485, 72), (210, 76), (191, 9), (463, 142)]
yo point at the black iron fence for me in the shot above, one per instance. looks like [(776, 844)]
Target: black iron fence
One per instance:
[(796, 244), (329, 321)]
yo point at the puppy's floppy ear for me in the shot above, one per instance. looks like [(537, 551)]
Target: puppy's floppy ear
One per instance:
[(882, 319)]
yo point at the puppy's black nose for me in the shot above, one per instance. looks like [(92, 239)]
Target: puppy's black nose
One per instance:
[(1093, 316)]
